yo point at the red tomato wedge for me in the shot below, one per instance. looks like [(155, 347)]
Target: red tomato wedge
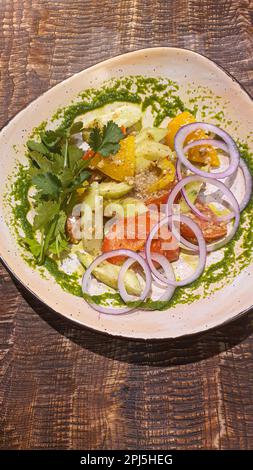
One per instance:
[(162, 199), (88, 154), (212, 230), (158, 201), (132, 232)]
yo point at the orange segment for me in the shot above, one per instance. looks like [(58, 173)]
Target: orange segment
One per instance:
[(175, 124), (199, 154), (121, 165), (204, 154)]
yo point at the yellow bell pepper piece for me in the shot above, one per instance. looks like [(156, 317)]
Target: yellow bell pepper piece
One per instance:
[(199, 154), (119, 166), (168, 171)]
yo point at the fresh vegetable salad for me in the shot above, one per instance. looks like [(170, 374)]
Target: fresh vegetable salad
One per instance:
[(132, 198)]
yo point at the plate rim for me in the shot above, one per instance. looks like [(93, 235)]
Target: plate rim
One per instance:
[(36, 296)]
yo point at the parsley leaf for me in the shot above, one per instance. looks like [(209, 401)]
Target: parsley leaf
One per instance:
[(32, 244), (51, 138), (74, 154), (47, 184), (83, 176), (56, 169), (106, 141), (40, 161), (37, 147), (45, 213), (60, 242), (76, 128)]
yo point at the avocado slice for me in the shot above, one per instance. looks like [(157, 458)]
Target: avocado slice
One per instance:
[(108, 273)]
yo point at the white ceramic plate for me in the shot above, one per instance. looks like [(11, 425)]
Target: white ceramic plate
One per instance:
[(184, 67)]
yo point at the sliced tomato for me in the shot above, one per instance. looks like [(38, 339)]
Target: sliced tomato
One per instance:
[(212, 230), (162, 198), (158, 201), (132, 232), (88, 154)]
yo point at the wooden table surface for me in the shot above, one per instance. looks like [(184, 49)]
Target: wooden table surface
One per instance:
[(63, 387)]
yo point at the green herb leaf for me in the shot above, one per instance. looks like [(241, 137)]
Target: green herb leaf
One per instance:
[(45, 213), (106, 141), (60, 242), (57, 170), (41, 161), (66, 177), (61, 222), (52, 162), (59, 246), (37, 147), (47, 184), (32, 244), (95, 139), (51, 138), (76, 128), (75, 154), (77, 183)]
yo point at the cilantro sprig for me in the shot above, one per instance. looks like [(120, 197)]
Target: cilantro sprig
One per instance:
[(56, 169), (105, 141)]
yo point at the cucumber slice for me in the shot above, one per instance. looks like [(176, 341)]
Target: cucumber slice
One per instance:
[(112, 190), (90, 202), (151, 133), (152, 150), (108, 274), (122, 113), (192, 191)]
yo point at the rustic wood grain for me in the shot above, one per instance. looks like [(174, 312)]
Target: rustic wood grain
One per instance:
[(64, 387)]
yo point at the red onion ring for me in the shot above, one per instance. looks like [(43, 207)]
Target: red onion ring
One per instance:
[(190, 179), (233, 151), (248, 184), (201, 248), (122, 290), (100, 259), (165, 264), (232, 200), (213, 142)]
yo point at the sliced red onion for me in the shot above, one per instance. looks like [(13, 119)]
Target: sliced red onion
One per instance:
[(169, 272), (232, 201), (104, 257), (223, 188), (232, 149), (122, 290), (213, 142), (201, 248), (111, 310), (248, 184)]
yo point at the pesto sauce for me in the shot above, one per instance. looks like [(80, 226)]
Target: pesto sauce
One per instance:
[(161, 95)]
